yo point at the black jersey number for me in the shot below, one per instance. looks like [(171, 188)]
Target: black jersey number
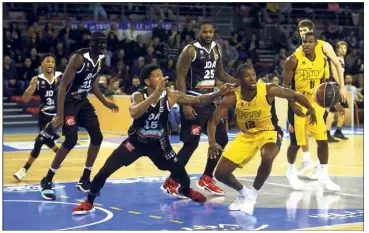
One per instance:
[(249, 125), (209, 74), (312, 84)]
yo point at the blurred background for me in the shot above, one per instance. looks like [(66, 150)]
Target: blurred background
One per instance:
[(261, 34)]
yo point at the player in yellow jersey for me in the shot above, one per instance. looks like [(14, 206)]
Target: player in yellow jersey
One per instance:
[(325, 48), (304, 71), (252, 102)]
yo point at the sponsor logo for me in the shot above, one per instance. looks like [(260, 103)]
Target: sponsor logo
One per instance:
[(129, 146), (195, 130), (69, 120), (26, 188)]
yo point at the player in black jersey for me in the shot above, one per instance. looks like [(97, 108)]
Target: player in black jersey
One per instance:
[(148, 135), (74, 109), (45, 84), (199, 65)]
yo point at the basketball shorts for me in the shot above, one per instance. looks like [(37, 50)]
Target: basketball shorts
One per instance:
[(79, 113), (43, 119), (191, 129), (302, 124), (244, 147)]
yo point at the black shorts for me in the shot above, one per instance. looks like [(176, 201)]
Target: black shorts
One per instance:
[(43, 119), (79, 113), (130, 150), (191, 129), (343, 104)]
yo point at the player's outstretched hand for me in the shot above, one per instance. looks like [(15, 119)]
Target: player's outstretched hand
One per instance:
[(297, 109), (112, 106), (226, 88), (214, 150), (343, 94), (312, 115)]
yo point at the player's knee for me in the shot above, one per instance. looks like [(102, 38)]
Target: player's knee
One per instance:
[(294, 147), (322, 143), (192, 146), (220, 175), (223, 140), (97, 138), (37, 147), (70, 140)]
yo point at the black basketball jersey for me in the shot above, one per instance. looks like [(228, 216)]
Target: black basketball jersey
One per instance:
[(84, 77), (47, 91), (201, 75), (152, 126)]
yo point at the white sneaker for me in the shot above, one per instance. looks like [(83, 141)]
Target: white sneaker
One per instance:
[(235, 206), (248, 204), (305, 165), (20, 174), (328, 184), (314, 174), (294, 181)]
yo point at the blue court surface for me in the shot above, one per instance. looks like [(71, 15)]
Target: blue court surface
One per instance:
[(139, 204)]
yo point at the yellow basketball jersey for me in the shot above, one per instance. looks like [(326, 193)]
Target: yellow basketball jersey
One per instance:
[(254, 116), (308, 74)]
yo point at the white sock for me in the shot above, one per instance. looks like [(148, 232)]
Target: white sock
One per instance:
[(243, 191), (324, 170), (306, 155), (291, 167), (254, 192), (317, 162)]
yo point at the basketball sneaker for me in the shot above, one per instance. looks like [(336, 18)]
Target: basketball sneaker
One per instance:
[(83, 208), (20, 174), (83, 185), (305, 165), (197, 196), (328, 184), (294, 181), (46, 189), (339, 134), (170, 187), (235, 206), (331, 139), (208, 183)]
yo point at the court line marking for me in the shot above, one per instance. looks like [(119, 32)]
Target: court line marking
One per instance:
[(132, 177), (154, 216), (115, 208), (175, 221), (107, 218), (287, 186), (134, 212), (329, 226)]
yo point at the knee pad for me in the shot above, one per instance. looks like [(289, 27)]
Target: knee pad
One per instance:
[(37, 147), (70, 141), (96, 138)]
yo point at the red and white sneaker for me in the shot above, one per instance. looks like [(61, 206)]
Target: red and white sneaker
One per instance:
[(83, 208), (170, 187), (197, 196), (208, 183)]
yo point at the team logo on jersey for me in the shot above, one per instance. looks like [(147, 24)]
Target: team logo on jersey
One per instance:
[(201, 52), (161, 109), (88, 65), (69, 120), (195, 130), (43, 82), (216, 56), (129, 146)]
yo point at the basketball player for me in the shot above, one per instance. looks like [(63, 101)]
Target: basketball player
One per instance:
[(74, 109), (341, 52), (252, 104), (304, 71), (199, 65), (325, 48), (45, 84), (148, 135)]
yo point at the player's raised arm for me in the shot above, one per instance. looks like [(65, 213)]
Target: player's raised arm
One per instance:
[(221, 74), (274, 90), (181, 98), (30, 90), (219, 113)]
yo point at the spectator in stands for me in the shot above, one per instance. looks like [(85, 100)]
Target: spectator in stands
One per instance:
[(275, 80), (187, 31), (218, 39), (114, 88), (154, 61), (253, 45), (80, 36), (65, 36), (103, 84), (294, 41), (113, 42), (279, 68), (139, 48), (60, 51), (99, 10), (26, 73), (170, 70), (150, 54), (173, 32), (135, 86), (174, 115), (62, 64), (9, 76), (158, 48), (229, 52), (34, 41), (159, 31), (235, 40), (35, 58), (131, 33), (16, 36), (170, 49), (282, 54), (118, 56), (137, 67), (229, 68), (8, 43)]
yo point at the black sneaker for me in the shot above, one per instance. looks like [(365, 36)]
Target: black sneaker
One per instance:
[(46, 189), (332, 139), (83, 185), (339, 134)]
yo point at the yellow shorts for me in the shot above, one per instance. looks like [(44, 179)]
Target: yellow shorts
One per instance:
[(244, 147), (301, 124)]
